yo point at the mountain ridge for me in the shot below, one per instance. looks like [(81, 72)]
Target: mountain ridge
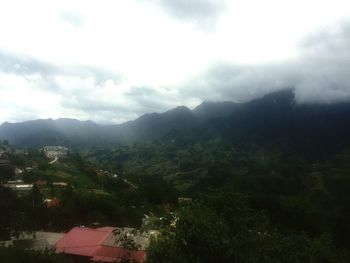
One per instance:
[(274, 119)]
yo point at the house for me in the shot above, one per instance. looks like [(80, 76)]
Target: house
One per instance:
[(101, 245), (52, 202), (54, 151), (29, 169), (15, 182), (18, 171), (19, 187), (41, 183)]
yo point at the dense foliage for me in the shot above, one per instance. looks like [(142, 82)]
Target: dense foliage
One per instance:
[(20, 255), (300, 204), (223, 228)]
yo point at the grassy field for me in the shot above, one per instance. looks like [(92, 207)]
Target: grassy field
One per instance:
[(67, 170)]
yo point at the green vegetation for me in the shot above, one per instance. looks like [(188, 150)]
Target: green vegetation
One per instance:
[(223, 228), (18, 255), (86, 196), (301, 204), (250, 203)]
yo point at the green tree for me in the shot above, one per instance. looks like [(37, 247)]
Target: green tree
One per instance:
[(17, 255), (224, 228)]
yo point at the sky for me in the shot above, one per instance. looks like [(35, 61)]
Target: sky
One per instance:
[(112, 61)]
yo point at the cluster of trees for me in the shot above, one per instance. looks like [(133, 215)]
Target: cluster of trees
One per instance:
[(90, 197), (302, 201), (75, 208), (222, 227), (6, 172)]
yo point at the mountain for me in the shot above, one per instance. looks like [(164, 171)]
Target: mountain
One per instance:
[(42, 132), (77, 133), (154, 125), (274, 120), (211, 110), (277, 120)]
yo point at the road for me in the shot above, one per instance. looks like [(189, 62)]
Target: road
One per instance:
[(129, 183), (54, 160)]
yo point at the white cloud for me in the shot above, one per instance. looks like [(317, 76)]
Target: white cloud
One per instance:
[(114, 60), (20, 100)]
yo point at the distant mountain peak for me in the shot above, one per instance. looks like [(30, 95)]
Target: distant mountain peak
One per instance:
[(274, 115), (179, 109), (209, 110), (73, 121), (6, 123), (285, 95), (279, 99)]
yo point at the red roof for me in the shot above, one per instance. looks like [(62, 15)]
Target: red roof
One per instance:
[(54, 202), (82, 241), (88, 242)]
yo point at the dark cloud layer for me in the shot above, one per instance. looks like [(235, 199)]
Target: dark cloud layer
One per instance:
[(320, 73)]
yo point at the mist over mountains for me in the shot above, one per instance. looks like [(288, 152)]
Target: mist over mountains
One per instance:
[(274, 120)]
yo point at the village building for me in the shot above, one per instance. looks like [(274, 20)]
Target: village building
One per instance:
[(15, 182), (54, 202), (18, 171), (18, 185), (103, 244), (83, 244), (54, 151), (29, 169), (41, 183)]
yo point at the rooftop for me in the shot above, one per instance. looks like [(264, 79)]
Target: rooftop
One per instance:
[(98, 244)]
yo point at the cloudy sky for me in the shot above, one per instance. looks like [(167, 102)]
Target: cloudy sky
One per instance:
[(111, 61)]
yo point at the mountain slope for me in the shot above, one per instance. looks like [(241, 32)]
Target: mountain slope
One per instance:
[(211, 110), (49, 132), (275, 120)]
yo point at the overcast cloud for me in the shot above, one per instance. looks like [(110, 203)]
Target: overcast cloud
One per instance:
[(319, 73), (202, 13), (110, 62)]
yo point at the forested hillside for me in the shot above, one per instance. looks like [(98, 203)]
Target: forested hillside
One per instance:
[(292, 199)]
